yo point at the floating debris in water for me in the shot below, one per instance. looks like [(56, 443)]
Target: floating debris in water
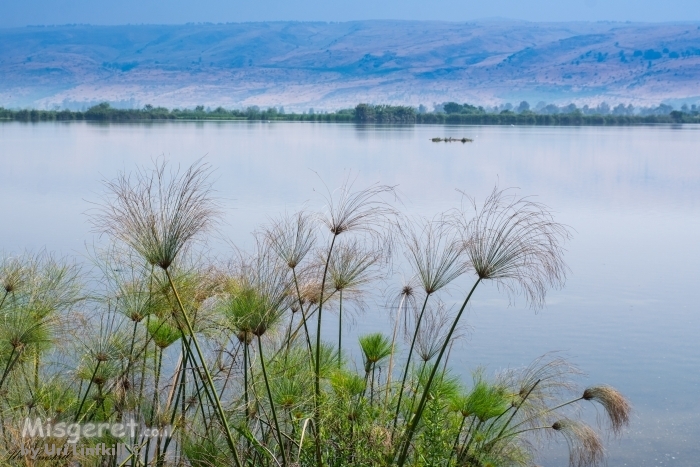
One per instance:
[(452, 140)]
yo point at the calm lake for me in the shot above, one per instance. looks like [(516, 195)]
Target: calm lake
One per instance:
[(629, 315)]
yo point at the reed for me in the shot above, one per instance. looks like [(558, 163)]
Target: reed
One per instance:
[(218, 356)]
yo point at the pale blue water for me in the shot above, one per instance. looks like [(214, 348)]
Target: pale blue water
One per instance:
[(628, 316)]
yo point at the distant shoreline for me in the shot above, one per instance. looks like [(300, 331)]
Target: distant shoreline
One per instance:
[(363, 113)]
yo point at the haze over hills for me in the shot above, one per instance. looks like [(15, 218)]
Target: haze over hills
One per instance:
[(336, 65)]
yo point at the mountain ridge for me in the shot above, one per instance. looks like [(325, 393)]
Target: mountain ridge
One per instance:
[(333, 65)]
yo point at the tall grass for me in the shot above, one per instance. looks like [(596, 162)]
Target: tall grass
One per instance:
[(220, 357)]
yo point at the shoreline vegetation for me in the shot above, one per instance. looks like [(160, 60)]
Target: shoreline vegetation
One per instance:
[(221, 362), (449, 113)]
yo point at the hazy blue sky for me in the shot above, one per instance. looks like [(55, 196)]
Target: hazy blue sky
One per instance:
[(24, 12)]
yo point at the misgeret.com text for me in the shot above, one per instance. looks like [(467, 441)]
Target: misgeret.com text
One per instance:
[(72, 433)]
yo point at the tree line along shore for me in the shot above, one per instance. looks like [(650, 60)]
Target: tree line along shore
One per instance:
[(362, 113)]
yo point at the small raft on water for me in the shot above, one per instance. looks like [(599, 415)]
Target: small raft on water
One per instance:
[(452, 140)]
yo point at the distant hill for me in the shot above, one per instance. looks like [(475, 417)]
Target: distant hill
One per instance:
[(335, 65)]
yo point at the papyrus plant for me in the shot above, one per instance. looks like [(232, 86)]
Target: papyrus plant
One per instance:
[(219, 349)]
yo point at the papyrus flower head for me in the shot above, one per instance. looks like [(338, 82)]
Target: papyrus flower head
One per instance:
[(515, 242), (157, 211)]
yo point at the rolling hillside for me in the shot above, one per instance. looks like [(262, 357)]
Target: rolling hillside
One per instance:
[(334, 65)]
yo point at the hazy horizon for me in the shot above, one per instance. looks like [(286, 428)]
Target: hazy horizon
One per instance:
[(489, 19), (51, 12)]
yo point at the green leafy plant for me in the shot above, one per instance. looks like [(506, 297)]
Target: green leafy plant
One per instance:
[(217, 355)]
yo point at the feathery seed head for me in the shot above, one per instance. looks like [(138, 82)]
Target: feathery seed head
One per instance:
[(158, 212), (311, 292), (122, 387), (292, 237), (13, 273), (357, 210), (433, 331), (615, 404), (542, 382), (135, 301), (405, 305), (350, 266), (585, 447), (20, 329), (42, 286), (435, 255), (517, 243)]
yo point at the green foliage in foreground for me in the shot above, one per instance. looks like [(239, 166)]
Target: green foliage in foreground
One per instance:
[(222, 357), (362, 113)]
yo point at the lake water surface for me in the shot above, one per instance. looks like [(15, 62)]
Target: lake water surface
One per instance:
[(628, 316)]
